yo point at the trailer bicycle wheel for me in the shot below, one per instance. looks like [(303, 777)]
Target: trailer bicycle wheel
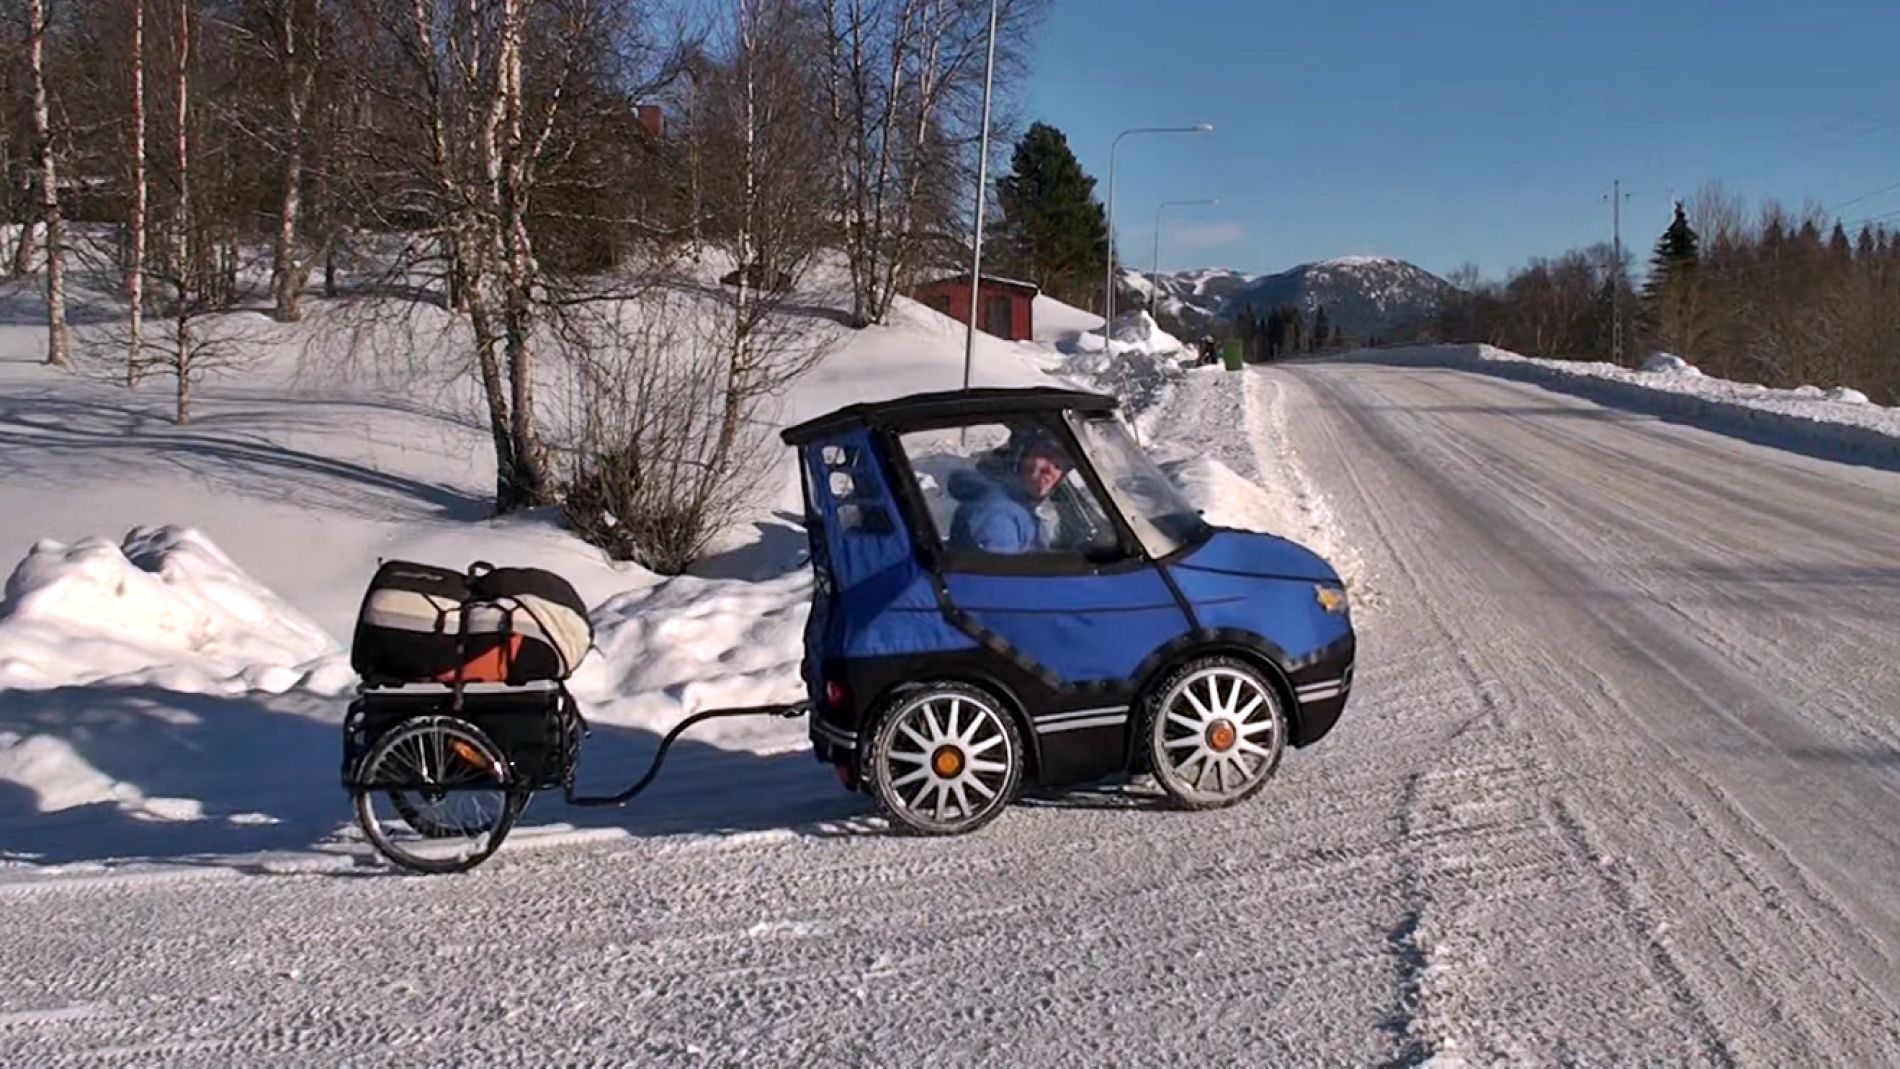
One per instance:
[(436, 795)]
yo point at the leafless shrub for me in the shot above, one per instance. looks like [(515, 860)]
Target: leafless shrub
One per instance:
[(653, 476)]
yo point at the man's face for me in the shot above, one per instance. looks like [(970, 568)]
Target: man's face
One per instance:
[(1040, 474)]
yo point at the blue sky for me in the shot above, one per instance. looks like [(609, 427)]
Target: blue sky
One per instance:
[(1484, 131)]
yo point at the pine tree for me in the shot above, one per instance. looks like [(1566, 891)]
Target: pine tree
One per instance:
[(1677, 251), (1053, 229), (1672, 311), (1838, 246)]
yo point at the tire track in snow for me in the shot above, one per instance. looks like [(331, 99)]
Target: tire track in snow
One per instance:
[(1781, 1002)]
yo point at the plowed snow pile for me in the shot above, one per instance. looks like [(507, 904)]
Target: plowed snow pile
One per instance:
[(164, 607)]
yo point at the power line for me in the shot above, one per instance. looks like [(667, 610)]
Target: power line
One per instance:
[(1832, 208), (1874, 218)]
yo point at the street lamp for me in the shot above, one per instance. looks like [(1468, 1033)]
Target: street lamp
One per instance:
[(1154, 274), (982, 182), (1108, 295)]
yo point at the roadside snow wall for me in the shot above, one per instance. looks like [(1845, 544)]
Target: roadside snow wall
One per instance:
[(1830, 424)]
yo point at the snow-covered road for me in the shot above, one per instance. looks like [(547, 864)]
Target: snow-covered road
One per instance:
[(1685, 779), (1620, 783)]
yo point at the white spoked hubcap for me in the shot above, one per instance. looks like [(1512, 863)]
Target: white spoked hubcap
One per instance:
[(1218, 736), (947, 759)]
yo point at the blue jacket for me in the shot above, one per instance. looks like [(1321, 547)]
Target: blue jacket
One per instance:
[(992, 517)]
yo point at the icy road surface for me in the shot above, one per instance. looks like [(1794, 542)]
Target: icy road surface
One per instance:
[(1620, 784)]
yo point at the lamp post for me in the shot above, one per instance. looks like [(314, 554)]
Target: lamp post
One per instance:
[(1154, 273), (982, 182), (1108, 294)]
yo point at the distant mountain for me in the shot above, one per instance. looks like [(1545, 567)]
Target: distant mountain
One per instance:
[(1364, 296), (1192, 298)]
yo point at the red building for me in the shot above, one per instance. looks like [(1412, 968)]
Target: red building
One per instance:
[(1005, 307)]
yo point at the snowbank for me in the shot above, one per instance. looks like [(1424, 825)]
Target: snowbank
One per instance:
[(688, 644), (1836, 424), (165, 607), (1138, 331), (1670, 364), (1057, 323)]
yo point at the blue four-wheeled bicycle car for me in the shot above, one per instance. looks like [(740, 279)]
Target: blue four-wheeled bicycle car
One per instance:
[(956, 648), (1006, 590)]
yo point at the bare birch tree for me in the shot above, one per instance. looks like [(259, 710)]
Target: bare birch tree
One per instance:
[(135, 270), (58, 345), (181, 214), (297, 44), (903, 81)]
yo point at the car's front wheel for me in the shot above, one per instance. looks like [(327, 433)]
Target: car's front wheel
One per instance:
[(944, 759), (1216, 730)]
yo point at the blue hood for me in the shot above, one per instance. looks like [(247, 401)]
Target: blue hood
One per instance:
[(1261, 556), (967, 485)]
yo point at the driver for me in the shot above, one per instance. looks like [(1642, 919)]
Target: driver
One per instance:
[(997, 511)]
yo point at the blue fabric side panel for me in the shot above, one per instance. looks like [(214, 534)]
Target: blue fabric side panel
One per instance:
[(1084, 648), (820, 527), (1282, 611), (1143, 589), (1085, 629), (885, 603), (863, 554)]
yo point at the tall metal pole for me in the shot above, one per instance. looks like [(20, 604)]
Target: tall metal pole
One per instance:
[(1616, 272), (1108, 284), (1154, 272), (982, 189)]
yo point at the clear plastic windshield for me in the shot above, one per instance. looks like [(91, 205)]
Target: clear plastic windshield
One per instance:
[(1161, 516)]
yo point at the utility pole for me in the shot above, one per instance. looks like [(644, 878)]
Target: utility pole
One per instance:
[(1108, 287), (1154, 271), (1616, 272), (982, 187)]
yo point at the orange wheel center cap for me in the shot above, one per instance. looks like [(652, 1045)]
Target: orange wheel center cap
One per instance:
[(1220, 736), (947, 762)]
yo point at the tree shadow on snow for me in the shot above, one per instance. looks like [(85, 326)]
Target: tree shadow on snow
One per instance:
[(779, 549), (206, 780), (704, 789), (23, 304), (52, 438), (198, 776)]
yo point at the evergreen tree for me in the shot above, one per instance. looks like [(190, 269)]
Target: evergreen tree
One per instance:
[(1322, 330), (1672, 312), (1677, 252), (1053, 231), (1838, 246)]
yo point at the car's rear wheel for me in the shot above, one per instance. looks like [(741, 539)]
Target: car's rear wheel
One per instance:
[(1216, 731), (944, 759)]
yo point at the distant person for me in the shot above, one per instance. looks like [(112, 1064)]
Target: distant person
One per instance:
[(997, 510)]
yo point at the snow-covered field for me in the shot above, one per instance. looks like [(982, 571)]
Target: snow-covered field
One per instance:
[(1618, 783)]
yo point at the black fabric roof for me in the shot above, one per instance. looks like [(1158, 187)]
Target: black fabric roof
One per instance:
[(925, 408)]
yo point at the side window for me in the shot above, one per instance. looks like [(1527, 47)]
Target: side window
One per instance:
[(853, 489), (1008, 488)]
